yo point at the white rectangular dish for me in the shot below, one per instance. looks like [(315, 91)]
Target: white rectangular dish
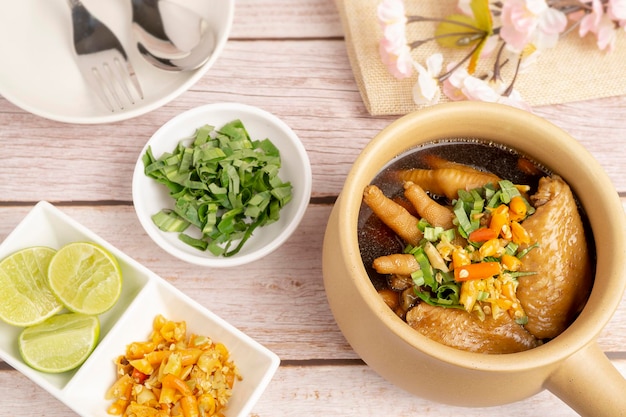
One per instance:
[(144, 295)]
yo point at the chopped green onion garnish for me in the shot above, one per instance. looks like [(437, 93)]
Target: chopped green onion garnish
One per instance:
[(523, 253), (422, 224), (465, 227), (432, 234), (427, 298), (418, 277), (449, 293), (169, 221), (425, 267), (511, 248), (223, 183), (508, 191), (516, 274)]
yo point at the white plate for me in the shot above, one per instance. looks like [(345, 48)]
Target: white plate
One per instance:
[(144, 295), (149, 197), (38, 72)]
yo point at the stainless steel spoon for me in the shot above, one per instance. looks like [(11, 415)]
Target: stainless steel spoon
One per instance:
[(170, 36)]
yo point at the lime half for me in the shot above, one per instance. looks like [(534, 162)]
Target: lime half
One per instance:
[(25, 298), (59, 344), (85, 277)]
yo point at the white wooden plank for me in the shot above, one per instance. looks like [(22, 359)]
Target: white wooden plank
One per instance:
[(307, 84), (286, 19), (323, 390)]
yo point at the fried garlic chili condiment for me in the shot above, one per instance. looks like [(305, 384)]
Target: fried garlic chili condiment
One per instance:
[(172, 374)]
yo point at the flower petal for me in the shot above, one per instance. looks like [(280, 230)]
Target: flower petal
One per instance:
[(426, 90), (391, 11), (434, 63)]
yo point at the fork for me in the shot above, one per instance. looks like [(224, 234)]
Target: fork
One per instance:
[(102, 60)]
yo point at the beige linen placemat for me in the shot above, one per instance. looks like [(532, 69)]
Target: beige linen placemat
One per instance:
[(573, 71)]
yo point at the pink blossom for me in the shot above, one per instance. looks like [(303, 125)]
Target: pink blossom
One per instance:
[(551, 24), (491, 44), (600, 24), (617, 11), (462, 86), (515, 100), (476, 89), (391, 12), (398, 61), (531, 21), (453, 85), (426, 90), (394, 50)]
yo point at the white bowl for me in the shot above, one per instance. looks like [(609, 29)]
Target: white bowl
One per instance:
[(41, 32), (149, 197), (144, 295)]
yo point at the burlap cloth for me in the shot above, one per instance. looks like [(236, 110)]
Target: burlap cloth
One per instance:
[(574, 70)]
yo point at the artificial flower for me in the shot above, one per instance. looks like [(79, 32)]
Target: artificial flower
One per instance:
[(453, 87), (399, 63), (426, 90), (617, 11), (531, 21), (463, 86), (514, 99), (508, 32), (391, 12), (471, 29), (394, 50), (599, 23)]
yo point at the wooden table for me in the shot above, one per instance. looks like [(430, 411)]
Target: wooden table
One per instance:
[(287, 57)]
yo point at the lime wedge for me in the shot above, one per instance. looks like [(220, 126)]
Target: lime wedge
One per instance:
[(59, 344), (25, 298), (85, 277)]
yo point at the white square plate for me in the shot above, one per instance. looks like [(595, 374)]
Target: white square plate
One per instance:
[(144, 295)]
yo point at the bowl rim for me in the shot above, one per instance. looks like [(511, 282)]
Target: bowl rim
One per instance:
[(238, 110), (470, 117)]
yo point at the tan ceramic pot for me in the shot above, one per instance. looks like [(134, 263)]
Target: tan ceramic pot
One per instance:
[(572, 366)]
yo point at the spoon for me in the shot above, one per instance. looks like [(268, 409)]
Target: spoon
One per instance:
[(171, 36)]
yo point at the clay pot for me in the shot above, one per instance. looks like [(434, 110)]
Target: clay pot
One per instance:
[(572, 365)]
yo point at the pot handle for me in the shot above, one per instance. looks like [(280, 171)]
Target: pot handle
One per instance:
[(590, 384)]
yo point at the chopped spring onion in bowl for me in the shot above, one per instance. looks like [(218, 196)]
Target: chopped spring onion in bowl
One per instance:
[(222, 185)]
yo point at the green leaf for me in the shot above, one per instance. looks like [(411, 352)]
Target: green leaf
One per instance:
[(458, 31), (482, 16), (461, 31)]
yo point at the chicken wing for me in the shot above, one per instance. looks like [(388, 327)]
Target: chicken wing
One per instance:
[(555, 295), (462, 330)]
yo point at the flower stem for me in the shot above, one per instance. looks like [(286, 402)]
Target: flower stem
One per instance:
[(509, 89), (446, 75), (568, 6), (466, 38), (496, 66), (412, 19)]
